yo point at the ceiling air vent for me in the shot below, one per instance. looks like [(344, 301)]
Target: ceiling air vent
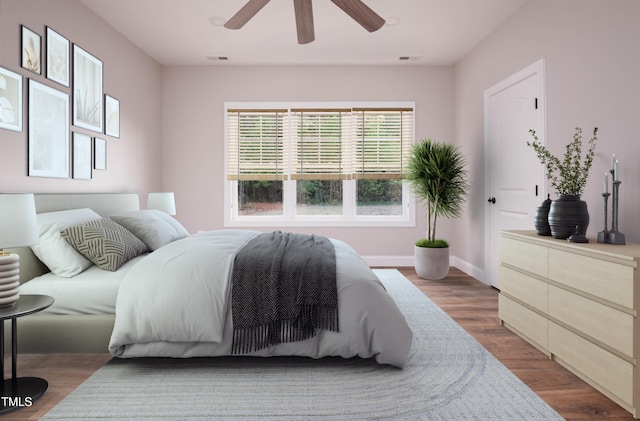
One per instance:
[(409, 58)]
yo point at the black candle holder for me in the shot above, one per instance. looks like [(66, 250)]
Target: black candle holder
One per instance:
[(615, 236), (603, 236)]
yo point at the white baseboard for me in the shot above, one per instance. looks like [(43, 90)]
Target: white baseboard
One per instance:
[(403, 261), (468, 268)]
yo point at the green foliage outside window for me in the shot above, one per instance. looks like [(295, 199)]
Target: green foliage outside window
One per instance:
[(322, 192), (375, 192)]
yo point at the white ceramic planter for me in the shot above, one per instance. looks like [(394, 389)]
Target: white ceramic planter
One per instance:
[(431, 263)]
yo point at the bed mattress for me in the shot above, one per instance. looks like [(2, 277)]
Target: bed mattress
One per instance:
[(93, 291)]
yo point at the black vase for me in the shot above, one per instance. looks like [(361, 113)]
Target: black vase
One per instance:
[(541, 218), (568, 215)]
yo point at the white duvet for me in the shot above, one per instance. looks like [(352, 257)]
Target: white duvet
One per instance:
[(176, 302)]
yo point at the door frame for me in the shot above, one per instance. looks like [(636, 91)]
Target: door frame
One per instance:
[(538, 68)]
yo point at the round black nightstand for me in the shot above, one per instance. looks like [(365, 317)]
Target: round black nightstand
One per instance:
[(18, 392)]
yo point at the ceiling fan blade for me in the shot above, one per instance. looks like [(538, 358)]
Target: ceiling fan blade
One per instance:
[(304, 21), (361, 13), (243, 15)]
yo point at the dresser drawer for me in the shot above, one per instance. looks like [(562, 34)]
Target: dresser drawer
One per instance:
[(525, 288), (526, 256), (607, 280), (608, 325), (525, 321), (610, 374)]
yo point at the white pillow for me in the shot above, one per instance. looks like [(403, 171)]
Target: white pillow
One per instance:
[(53, 250), (155, 228)]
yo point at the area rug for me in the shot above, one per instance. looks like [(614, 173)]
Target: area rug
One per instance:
[(449, 376)]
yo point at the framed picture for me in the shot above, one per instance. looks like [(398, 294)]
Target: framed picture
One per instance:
[(111, 116), (87, 90), (99, 154), (31, 50), (57, 57), (48, 131), (81, 156), (10, 100)]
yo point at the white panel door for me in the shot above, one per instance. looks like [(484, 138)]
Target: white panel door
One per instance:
[(515, 181)]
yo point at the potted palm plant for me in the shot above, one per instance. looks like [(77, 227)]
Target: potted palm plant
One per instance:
[(436, 173)]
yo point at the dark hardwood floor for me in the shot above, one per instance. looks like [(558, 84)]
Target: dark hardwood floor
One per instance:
[(469, 302)]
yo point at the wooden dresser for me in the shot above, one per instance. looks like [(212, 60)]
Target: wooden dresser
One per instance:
[(577, 303)]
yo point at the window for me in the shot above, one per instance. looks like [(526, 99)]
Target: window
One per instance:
[(383, 139), (319, 159), (255, 159), (318, 164)]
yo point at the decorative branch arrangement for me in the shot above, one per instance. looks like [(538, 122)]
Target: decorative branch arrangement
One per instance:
[(569, 176)]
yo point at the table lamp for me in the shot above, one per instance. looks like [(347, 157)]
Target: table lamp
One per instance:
[(18, 228), (162, 201)]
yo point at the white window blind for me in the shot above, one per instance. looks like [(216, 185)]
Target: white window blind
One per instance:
[(320, 144), (255, 144), (383, 138)]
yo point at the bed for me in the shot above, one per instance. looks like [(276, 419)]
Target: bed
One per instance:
[(172, 295), (79, 331)]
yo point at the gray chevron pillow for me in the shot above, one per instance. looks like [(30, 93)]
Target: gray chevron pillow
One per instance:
[(106, 243)]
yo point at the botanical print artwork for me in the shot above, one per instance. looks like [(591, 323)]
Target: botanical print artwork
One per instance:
[(57, 57), (112, 116), (48, 131), (31, 44), (87, 90), (81, 156), (100, 154), (10, 100)]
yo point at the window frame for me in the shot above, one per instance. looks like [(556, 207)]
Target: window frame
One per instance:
[(289, 218)]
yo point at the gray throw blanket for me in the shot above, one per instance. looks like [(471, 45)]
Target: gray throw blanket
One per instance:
[(283, 290)]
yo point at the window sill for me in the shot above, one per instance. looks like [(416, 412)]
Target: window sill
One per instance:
[(287, 223)]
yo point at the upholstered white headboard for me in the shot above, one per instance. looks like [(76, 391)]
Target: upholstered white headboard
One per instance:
[(104, 204)]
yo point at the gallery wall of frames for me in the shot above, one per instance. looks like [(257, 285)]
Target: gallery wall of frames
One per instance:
[(54, 113)]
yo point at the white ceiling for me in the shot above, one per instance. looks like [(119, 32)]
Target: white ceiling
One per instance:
[(180, 32)]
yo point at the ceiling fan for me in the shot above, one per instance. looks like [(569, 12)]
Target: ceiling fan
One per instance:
[(359, 11)]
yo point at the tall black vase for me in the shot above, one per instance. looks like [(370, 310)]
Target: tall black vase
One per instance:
[(541, 218), (568, 215)]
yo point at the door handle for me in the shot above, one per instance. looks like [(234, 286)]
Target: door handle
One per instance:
[(492, 200)]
